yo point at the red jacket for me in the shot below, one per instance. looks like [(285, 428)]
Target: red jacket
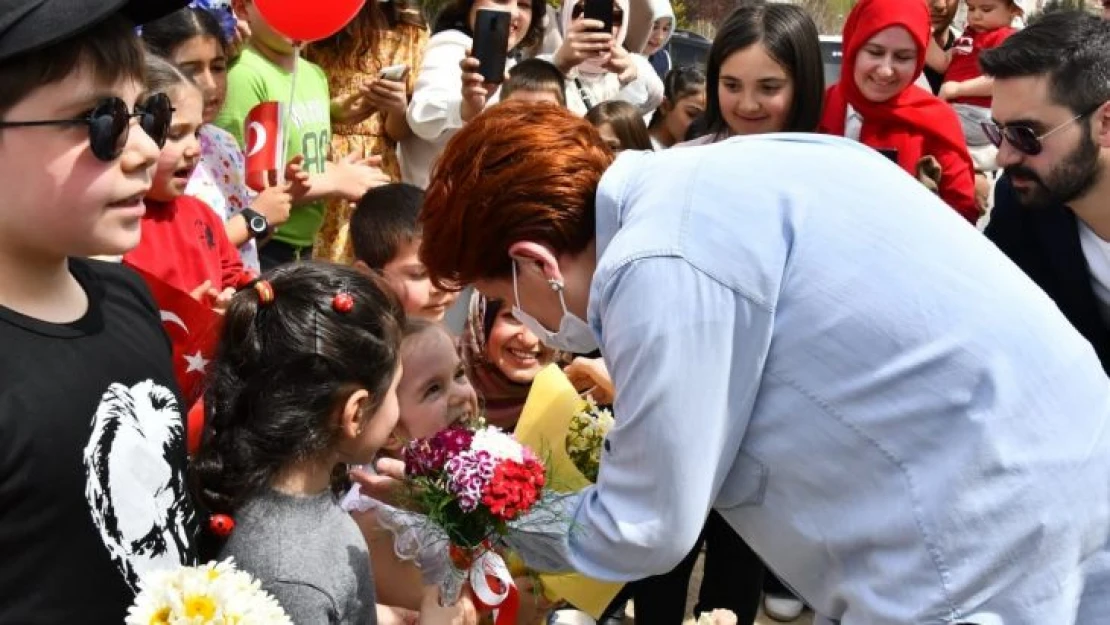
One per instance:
[(184, 243)]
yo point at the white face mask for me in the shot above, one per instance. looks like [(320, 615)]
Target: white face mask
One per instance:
[(574, 335)]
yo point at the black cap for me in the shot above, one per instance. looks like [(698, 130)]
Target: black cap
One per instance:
[(29, 25)]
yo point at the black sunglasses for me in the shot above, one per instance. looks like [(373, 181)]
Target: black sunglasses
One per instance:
[(1023, 138), (109, 123)]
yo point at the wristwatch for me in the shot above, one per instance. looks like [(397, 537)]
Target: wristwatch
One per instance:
[(257, 225)]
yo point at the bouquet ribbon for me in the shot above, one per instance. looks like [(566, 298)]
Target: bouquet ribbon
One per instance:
[(492, 585)]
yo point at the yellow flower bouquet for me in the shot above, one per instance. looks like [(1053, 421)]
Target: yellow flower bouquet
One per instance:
[(569, 432)]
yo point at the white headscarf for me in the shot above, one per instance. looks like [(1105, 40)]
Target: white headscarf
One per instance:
[(594, 66)]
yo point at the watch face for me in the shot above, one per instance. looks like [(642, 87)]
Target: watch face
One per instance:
[(258, 224)]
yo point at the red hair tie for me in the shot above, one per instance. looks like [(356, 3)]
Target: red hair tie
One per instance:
[(265, 292), (221, 525), (343, 303)]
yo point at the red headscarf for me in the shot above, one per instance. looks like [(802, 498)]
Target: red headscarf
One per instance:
[(910, 119)]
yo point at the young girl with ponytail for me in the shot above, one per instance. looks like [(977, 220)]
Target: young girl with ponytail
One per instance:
[(304, 383)]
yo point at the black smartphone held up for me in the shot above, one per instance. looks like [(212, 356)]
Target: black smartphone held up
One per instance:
[(602, 11), (491, 43)]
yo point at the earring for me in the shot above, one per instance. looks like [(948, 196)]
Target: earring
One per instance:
[(556, 285)]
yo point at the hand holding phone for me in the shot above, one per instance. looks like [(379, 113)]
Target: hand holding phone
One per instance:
[(395, 73), (602, 11), (491, 44)]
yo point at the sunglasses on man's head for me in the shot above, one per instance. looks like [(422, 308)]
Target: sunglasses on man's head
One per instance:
[(109, 123), (1023, 138), (618, 14)]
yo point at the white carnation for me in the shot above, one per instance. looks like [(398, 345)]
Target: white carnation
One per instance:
[(498, 444)]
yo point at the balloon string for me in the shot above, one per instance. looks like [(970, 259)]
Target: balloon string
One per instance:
[(297, 45)]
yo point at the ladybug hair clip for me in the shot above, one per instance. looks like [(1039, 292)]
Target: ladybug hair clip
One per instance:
[(343, 303), (221, 525), (265, 292)]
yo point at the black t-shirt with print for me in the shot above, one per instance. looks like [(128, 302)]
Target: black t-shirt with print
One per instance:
[(92, 456)]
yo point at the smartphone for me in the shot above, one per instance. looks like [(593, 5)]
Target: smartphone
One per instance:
[(602, 11), (491, 43), (394, 72)]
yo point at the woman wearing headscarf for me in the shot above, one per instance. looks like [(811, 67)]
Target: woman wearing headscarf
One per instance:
[(877, 103), (597, 66), (501, 358)]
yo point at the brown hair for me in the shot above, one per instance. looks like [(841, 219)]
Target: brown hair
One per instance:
[(360, 37), (517, 172), (111, 51), (535, 75), (626, 121)]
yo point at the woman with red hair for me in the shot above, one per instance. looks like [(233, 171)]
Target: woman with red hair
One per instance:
[(877, 103), (751, 317)]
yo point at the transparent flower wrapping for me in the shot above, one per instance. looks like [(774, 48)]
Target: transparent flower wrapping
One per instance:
[(211, 594)]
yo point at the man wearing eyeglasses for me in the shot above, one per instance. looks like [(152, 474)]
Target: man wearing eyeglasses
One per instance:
[(1052, 128)]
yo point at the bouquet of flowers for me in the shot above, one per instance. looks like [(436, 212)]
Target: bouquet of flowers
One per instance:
[(211, 594), (471, 483), (586, 436)]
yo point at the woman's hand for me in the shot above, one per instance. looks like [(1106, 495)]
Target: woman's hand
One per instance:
[(591, 376), (582, 42), (534, 606), (621, 64), (388, 96), (475, 90)]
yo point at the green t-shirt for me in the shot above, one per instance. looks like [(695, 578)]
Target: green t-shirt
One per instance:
[(253, 80)]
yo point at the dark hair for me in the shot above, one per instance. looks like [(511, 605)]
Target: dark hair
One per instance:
[(164, 35), (110, 51), (360, 38), (626, 121), (679, 83), (1071, 48), (456, 16), (535, 75), (386, 218), (697, 129), (283, 368), (163, 76), (790, 37)]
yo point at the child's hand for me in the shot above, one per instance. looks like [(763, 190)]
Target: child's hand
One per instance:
[(222, 300), (274, 203), (353, 177), (949, 91), (202, 292), (621, 64), (386, 484), (590, 375), (388, 96), (351, 108), (475, 90), (582, 42), (297, 178), (432, 613)]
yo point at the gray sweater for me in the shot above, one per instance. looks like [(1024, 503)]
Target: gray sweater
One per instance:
[(309, 554)]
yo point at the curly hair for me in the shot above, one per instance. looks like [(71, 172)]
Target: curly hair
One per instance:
[(517, 172)]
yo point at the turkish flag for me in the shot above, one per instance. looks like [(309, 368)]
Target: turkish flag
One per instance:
[(193, 329), (265, 139)]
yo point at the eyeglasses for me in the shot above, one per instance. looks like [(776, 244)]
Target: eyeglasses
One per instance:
[(618, 14), (1022, 138), (109, 124)]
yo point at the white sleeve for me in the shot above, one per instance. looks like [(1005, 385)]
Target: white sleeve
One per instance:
[(437, 97), (646, 92)]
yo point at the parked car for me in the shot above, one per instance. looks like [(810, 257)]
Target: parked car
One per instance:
[(689, 49)]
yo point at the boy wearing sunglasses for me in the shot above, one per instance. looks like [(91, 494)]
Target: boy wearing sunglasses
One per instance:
[(1051, 123), (92, 456)]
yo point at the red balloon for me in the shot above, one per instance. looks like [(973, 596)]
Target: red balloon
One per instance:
[(304, 21)]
